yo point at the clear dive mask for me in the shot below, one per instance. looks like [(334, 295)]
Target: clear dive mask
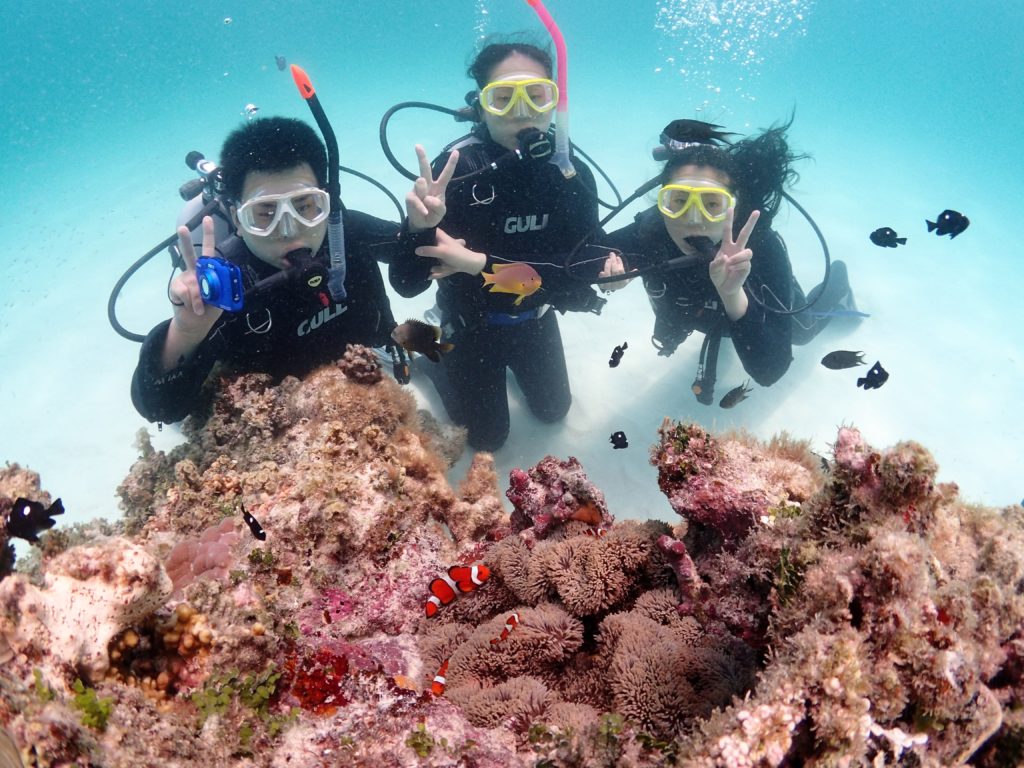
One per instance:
[(703, 200), (521, 93), (261, 214)]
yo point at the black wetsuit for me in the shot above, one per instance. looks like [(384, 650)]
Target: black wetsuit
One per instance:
[(685, 300), (289, 331), (525, 211)]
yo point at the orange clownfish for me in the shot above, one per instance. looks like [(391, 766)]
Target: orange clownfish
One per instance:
[(437, 687), (519, 279), (460, 578), (510, 623), (596, 532)]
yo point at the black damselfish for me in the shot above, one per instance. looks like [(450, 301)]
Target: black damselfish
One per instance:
[(842, 358), (876, 377), (254, 525), (617, 354), (886, 237), (736, 395), (417, 336), (619, 440), (30, 518), (949, 222)]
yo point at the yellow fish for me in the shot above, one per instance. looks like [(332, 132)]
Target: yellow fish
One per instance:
[(518, 279)]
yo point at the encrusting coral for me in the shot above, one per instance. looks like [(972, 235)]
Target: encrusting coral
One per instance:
[(858, 615)]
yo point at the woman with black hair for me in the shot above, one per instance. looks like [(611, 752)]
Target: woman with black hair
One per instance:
[(724, 269), (509, 217)]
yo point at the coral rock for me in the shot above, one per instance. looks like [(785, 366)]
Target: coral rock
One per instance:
[(90, 594)]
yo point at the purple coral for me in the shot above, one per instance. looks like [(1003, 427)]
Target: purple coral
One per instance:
[(552, 493)]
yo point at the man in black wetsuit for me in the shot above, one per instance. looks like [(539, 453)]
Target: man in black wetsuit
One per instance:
[(498, 254), (274, 171)]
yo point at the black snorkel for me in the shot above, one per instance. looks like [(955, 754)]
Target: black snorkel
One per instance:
[(335, 225)]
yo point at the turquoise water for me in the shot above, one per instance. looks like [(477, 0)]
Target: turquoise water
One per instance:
[(906, 109)]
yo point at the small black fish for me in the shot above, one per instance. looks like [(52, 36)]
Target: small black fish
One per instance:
[(30, 518), (281, 63), (254, 525), (617, 354), (417, 336), (886, 238), (876, 377), (736, 395), (618, 440), (948, 222), (842, 358)]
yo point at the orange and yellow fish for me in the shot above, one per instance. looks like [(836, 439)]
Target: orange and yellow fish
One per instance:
[(510, 623), (518, 279), (459, 579), (440, 682)]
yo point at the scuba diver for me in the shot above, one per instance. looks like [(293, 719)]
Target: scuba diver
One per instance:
[(298, 311), (490, 221), (711, 262)]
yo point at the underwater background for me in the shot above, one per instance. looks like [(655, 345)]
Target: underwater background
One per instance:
[(906, 108)]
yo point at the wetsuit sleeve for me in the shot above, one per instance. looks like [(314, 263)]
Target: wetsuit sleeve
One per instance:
[(408, 273), (763, 340), (628, 242), (377, 238), (169, 396), (372, 240)]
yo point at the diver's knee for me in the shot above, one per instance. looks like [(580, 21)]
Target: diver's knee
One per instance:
[(551, 412)]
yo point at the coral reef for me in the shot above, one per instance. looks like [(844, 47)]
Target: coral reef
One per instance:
[(859, 616)]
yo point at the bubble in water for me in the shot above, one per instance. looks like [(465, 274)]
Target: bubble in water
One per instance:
[(710, 41), (481, 21)]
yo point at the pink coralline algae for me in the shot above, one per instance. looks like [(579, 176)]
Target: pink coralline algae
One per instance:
[(863, 616)]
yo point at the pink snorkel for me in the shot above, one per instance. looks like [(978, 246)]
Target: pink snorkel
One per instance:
[(561, 158)]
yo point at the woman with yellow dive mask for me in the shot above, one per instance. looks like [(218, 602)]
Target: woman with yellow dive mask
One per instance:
[(490, 222), (716, 261)]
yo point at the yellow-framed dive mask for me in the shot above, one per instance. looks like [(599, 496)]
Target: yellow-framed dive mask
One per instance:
[(522, 94), (708, 197)]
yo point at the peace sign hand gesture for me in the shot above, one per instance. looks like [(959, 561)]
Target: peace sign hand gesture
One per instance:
[(424, 203), (731, 267), (193, 318)]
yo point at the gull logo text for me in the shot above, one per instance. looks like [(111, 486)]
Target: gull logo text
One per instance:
[(529, 223), (325, 315)]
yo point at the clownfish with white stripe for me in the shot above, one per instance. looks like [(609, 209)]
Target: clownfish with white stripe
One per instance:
[(510, 623), (459, 579), (597, 533), (437, 687)]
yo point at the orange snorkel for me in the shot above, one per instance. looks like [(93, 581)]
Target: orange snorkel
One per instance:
[(561, 157), (335, 227)]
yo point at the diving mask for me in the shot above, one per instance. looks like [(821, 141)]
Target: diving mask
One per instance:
[(708, 198), (261, 214), (520, 92)]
